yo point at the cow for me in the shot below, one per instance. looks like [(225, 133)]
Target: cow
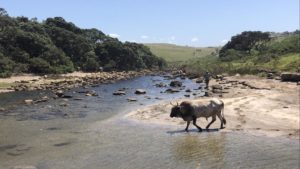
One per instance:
[(191, 110)]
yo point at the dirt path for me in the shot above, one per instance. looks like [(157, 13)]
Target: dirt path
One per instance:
[(272, 110)]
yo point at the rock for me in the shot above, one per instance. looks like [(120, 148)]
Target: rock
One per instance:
[(207, 94), (28, 101), (161, 84), (293, 77), (172, 90), (24, 167), (2, 109), (147, 97), (91, 93), (140, 91), (200, 80), (158, 98), (63, 104), (277, 78), (217, 90), (216, 87), (220, 77), (188, 90), (270, 76), (59, 93), (67, 96), (187, 95), (119, 92), (78, 99), (43, 99), (176, 83), (131, 99)]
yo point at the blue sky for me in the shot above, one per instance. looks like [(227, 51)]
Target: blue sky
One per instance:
[(182, 22)]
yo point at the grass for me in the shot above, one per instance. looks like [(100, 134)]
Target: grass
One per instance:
[(178, 54), (288, 62), (5, 84)]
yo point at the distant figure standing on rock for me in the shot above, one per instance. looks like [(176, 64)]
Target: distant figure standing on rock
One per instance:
[(207, 76)]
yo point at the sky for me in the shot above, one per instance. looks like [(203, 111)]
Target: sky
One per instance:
[(183, 22)]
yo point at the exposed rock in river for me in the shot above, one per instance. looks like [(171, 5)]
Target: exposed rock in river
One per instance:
[(176, 83), (119, 92), (140, 91)]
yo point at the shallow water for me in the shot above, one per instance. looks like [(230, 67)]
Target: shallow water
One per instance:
[(92, 133)]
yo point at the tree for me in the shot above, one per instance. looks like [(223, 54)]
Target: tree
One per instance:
[(244, 41)]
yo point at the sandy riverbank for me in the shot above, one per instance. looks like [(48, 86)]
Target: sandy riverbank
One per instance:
[(271, 110)]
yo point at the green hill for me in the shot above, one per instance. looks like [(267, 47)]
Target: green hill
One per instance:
[(253, 52), (175, 54)]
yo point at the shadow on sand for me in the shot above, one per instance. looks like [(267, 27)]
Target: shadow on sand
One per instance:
[(192, 131)]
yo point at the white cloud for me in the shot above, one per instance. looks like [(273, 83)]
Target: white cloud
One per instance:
[(224, 41), (114, 35), (194, 39), (144, 37)]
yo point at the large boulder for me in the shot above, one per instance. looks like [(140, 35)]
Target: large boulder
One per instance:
[(292, 77), (176, 83)]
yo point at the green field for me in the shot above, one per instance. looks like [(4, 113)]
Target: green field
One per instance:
[(178, 54)]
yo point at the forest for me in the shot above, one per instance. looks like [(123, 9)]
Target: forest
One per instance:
[(56, 46)]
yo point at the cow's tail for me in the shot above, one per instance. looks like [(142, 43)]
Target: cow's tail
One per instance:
[(223, 116)]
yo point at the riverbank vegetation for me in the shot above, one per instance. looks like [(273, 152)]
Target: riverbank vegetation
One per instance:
[(57, 46)]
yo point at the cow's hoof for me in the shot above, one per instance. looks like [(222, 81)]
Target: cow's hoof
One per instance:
[(200, 130), (186, 130), (222, 127)]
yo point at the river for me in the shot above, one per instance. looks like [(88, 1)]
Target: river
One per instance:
[(91, 132)]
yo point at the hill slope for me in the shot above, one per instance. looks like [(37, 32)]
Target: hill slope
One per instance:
[(178, 54)]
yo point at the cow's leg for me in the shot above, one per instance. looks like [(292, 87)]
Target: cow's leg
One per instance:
[(187, 126), (221, 119), (212, 121), (194, 123)]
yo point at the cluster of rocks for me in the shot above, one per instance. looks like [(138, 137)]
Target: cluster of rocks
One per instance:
[(60, 86), (70, 82)]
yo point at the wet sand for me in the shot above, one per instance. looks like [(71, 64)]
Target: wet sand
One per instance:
[(271, 109)]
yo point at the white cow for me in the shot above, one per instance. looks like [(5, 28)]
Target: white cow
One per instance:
[(191, 110)]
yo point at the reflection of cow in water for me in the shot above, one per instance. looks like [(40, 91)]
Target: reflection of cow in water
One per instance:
[(191, 110)]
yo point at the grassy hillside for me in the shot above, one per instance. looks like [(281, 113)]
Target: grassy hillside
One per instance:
[(177, 54), (278, 54)]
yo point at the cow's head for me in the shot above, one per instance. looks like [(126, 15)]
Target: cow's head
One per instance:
[(175, 111)]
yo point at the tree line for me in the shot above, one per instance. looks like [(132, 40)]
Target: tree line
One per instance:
[(57, 46)]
